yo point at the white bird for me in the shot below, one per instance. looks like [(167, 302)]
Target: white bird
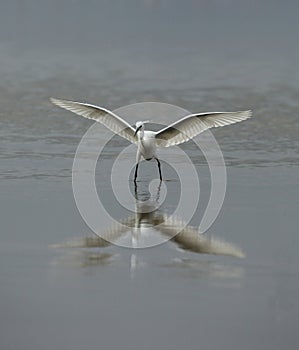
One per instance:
[(147, 141)]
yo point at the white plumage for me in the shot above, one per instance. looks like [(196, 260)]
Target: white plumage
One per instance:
[(147, 141)]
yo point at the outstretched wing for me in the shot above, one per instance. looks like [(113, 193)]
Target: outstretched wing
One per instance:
[(188, 127), (99, 114)]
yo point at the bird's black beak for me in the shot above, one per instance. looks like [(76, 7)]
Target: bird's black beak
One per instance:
[(137, 130)]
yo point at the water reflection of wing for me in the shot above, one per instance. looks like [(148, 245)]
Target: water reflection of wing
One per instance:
[(112, 234), (199, 268), (84, 258), (101, 240), (189, 238), (185, 236)]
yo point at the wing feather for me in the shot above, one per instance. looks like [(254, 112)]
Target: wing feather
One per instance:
[(190, 126), (99, 114)]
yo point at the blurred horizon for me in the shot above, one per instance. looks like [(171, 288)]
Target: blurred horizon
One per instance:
[(233, 42)]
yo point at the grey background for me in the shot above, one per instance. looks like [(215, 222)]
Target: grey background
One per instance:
[(202, 56)]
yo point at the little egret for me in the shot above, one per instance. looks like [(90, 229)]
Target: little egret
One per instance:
[(147, 141)]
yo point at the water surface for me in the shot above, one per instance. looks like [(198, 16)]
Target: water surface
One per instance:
[(202, 56)]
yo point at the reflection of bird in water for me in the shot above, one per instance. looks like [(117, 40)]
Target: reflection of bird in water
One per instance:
[(171, 228), (188, 237), (147, 141)]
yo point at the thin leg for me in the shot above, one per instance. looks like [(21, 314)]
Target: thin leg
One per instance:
[(136, 169), (159, 167), (136, 190), (158, 191)]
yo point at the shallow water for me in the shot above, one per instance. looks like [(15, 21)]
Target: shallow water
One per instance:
[(54, 294)]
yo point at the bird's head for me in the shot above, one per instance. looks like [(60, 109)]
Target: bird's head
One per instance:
[(139, 127)]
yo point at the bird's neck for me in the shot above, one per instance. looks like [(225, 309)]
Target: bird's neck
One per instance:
[(140, 134)]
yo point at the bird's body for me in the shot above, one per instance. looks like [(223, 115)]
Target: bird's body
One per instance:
[(147, 141), (147, 145)]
